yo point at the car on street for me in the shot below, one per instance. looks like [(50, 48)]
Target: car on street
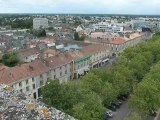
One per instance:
[(112, 107), (108, 114)]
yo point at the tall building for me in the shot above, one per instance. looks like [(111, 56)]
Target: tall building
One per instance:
[(40, 23)]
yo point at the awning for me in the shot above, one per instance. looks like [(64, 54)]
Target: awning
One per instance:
[(87, 69), (106, 60), (81, 72)]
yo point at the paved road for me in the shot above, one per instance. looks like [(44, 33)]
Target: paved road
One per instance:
[(124, 111), (121, 113)]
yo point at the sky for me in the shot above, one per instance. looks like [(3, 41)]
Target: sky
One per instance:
[(149, 7)]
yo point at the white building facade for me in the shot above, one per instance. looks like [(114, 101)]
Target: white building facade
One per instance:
[(40, 22)]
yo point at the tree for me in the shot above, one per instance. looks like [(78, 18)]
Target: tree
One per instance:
[(133, 72), (42, 33), (73, 99), (52, 94), (82, 38), (10, 59), (133, 116), (88, 109), (38, 33), (76, 36), (108, 94), (146, 96)]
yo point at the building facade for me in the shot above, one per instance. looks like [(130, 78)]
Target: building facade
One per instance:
[(28, 55), (40, 23), (60, 67), (27, 78)]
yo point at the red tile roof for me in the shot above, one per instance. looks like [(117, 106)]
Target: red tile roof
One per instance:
[(3, 67), (75, 54), (92, 49), (58, 61), (118, 41), (51, 51), (28, 52), (22, 72)]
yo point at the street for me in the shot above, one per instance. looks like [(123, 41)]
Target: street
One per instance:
[(121, 113), (107, 65), (124, 111)]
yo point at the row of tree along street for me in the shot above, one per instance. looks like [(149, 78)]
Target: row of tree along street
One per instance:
[(133, 74)]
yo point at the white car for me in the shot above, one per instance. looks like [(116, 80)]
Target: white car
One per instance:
[(109, 113)]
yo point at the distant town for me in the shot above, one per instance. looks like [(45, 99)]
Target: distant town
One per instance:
[(36, 50)]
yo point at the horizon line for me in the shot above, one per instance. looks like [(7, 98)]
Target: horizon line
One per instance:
[(88, 14)]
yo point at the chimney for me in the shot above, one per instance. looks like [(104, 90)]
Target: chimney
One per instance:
[(11, 75), (31, 68)]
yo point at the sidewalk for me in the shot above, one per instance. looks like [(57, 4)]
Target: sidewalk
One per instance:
[(158, 116)]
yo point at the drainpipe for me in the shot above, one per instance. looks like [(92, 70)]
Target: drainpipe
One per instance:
[(73, 70)]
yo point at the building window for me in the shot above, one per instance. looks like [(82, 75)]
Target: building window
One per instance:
[(20, 84), (27, 88), (32, 79), (60, 73), (41, 82), (54, 76), (65, 71), (26, 81), (34, 86), (47, 73), (41, 76)]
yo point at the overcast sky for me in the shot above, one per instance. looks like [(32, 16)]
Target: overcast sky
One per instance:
[(81, 6)]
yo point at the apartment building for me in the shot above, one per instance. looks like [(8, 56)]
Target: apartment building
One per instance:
[(80, 63), (28, 55), (117, 45), (27, 78), (60, 67), (103, 35), (99, 55), (40, 23), (120, 44)]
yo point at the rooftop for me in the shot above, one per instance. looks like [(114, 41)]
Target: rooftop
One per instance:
[(58, 60), (23, 71), (19, 106), (92, 49), (118, 41), (28, 52)]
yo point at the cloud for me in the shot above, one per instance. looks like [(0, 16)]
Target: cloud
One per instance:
[(81, 6)]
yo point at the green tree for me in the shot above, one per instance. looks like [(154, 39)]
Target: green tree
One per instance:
[(108, 94), (146, 96), (88, 109), (53, 94), (76, 36), (10, 59), (38, 33), (134, 116)]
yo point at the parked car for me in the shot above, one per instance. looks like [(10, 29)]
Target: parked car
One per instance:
[(117, 105), (153, 113), (112, 107), (109, 113)]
